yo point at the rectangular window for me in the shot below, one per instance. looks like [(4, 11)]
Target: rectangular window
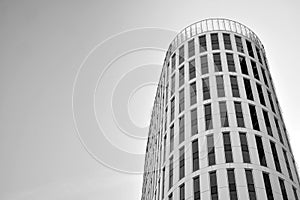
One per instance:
[(195, 150), (287, 164), (172, 84), (249, 48), (244, 147), (181, 192), (295, 193), (268, 186), (260, 94), (263, 71), (181, 129), (202, 43), (275, 156), (211, 150), (239, 114), (181, 100), (253, 116), (271, 102), (232, 184), (243, 65), (255, 70), (171, 172), (204, 64), (250, 184), (181, 163), (220, 86), (192, 69), (260, 150), (213, 185), (205, 88), (163, 183), (208, 117), (166, 118), (193, 93), (170, 196), (181, 76), (248, 89), (196, 184), (227, 147), (230, 62), (181, 54), (194, 122), (172, 109), (173, 61), (267, 123), (258, 55), (278, 130), (217, 62), (227, 41), (239, 44), (234, 86), (165, 148), (214, 41), (172, 138), (223, 114), (191, 46)]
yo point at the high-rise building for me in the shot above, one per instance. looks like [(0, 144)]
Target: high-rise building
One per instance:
[(216, 130)]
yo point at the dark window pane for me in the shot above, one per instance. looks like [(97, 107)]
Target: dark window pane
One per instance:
[(268, 186), (261, 152), (253, 116), (275, 156), (217, 62), (181, 55), (213, 185), (220, 86), (255, 70), (232, 184), (171, 138), (249, 48), (195, 151), (196, 184), (260, 94), (181, 163), (181, 129), (248, 89), (192, 69), (258, 55), (287, 164), (208, 117), (264, 76), (181, 192), (234, 86), (227, 41), (230, 62), (227, 147), (223, 114), (172, 109), (214, 41), (243, 65), (267, 123), (211, 150), (173, 62), (181, 76), (181, 100), (271, 102), (239, 114), (278, 130), (171, 172), (205, 88), (202, 43), (191, 48), (193, 93), (244, 148), (204, 64), (250, 184), (194, 122), (239, 44)]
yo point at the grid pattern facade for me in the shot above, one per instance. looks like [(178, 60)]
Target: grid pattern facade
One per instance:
[(216, 130)]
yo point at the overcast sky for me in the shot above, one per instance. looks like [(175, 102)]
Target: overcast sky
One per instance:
[(43, 45)]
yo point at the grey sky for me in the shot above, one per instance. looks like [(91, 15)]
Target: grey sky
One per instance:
[(42, 46)]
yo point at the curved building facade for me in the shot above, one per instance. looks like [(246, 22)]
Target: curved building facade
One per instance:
[(216, 130)]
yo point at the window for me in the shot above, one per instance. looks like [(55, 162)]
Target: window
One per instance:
[(261, 152), (267, 123), (268, 186), (181, 163), (172, 138), (208, 117), (227, 147), (211, 150), (217, 62), (173, 61), (227, 41), (255, 70), (283, 190), (275, 156), (248, 89), (181, 55), (264, 76), (239, 114), (170, 196), (166, 118), (192, 69), (213, 185), (230, 62), (181, 100), (181, 129), (231, 184), (239, 44), (191, 46), (163, 183), (258, 55), (214, 41), (295, 193), (253, 116), (171, 172), (204, 64), (243, 65), (234, 86), (196, 184), (202, 43), (244, 147), (260, 94), (271, 102), (172, 109), (181, 76), (220, 86), (223, 114), (195, 150), (205, 88), (287, 164), (194, 122), (193, 93), (250, 184), (181, 192), (249, 48), (278, 130), (172, 84)]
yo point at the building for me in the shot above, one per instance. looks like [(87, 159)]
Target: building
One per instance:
[(216, 130)]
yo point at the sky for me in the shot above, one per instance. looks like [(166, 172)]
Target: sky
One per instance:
[(78, 79)]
